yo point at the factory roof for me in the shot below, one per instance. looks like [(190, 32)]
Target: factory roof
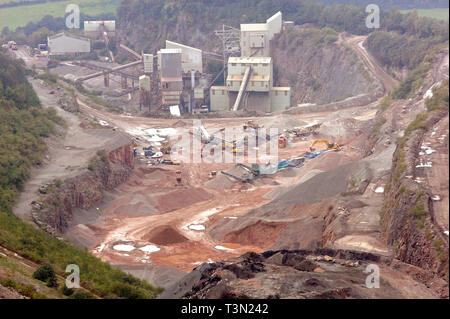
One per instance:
[(171, 43), (68, 35), (254, 27)]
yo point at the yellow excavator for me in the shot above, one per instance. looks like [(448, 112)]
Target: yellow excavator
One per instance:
[(165, 148), (330, 146)]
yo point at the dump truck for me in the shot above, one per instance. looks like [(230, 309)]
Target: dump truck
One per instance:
[(330, 146)]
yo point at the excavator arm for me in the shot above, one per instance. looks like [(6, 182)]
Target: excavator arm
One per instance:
[(330, 146)]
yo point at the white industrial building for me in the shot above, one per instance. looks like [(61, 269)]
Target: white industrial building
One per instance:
[(191, 58), (250, 86), (256, 37), (171, 75), (66, 43), (249, 83)]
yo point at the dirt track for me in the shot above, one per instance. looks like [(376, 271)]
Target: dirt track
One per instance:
[(387, 81)]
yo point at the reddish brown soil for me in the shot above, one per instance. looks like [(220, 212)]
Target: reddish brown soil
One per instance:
[(164, 235), (261, 234), (182, 198)]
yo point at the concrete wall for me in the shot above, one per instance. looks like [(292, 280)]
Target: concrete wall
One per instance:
[(261, 78), (280, 99), (275, 24), (252, 41), (255, 38), (171, 98), (170, 63), (66, 45), (257, 101), (192, 58), (219, 98)]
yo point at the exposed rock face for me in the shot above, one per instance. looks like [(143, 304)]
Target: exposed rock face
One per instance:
[(123, 156), (6, 293), (318, 274), (106, 171), (408, 221), (317, 68)]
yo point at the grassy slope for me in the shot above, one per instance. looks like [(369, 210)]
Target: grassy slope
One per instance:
[(19, 16), (23, 127), (438, 13)]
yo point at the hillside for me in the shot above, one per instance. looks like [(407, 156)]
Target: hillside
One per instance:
[(24, 125), (21, 13), (319, 67)]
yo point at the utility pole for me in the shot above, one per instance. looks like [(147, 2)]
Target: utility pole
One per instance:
[(231, 41)]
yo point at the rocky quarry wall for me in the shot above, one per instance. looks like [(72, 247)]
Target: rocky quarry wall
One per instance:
[(407, 219), (59, 200)]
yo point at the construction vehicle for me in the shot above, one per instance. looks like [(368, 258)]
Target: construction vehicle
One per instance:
[(306, 130), (12, 45), (282, 142), (251, 124), (148, 151), (170, 162), (165, 148), (254, 169), (330, 146), (244, 179), (178, 177)]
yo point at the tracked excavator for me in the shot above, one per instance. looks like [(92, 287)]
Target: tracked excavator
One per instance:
[(330, 146)]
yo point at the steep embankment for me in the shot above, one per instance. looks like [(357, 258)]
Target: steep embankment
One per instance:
[(411, 220), (318, 66), (58, 201)]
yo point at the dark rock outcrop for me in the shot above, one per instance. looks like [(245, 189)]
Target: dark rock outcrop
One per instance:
[(312, 274), (106, 171)]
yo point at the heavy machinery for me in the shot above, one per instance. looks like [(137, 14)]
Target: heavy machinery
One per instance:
[(254, 169), (330, 146), (306, 130), (148, 151), (282, 142), (170, 162), (12, 45), (165, 148), (251, 124), (178, 177)]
